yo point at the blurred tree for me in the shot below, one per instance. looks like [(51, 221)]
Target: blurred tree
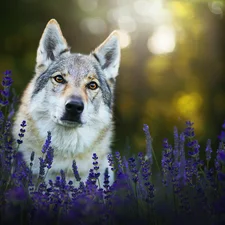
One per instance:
[(172, 68)]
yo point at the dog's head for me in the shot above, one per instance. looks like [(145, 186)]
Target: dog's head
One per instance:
[(74, 89)]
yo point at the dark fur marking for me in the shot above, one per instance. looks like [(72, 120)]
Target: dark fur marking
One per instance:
[(108, 58), (104, 87), (94, 97), (50, 44), (112, 80), (40, 66), (40, 83), (64, 51), (96, 57)]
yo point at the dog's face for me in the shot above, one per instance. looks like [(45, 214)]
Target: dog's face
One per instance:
[(74, 89)]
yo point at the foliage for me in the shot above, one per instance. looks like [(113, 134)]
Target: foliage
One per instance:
[(183, 190), (158, 89)]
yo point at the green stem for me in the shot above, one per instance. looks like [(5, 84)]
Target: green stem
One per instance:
[(135, 189), (99, 183), (154, 156)]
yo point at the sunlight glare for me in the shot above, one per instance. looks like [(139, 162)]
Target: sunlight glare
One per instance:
[(125, 39), (163, 40), (147, 8), (93, 25), (87, 5), (127, 23)]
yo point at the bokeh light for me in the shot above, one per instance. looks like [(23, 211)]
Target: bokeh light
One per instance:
[(187, 105), (93, 25), (216, 7), (127, 23), (163, 40), (87, 5), (125, 38)]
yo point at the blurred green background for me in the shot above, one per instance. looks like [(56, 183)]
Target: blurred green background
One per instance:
[(172, 66)]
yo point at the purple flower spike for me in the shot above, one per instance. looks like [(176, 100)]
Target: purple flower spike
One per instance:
[(49, 157), (75, 171), (7, 80), (111, 161), (223, 126), (42, 167), (22, 131), (133, 169), (222, 136), (208, 150), (148, 142), (17, 194), (47, 143), (221, 157), (96, 166)]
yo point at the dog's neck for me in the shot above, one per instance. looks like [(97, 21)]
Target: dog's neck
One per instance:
[(67, 140)]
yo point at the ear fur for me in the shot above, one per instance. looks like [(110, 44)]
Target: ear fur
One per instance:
[(51, 45), (108, 55)]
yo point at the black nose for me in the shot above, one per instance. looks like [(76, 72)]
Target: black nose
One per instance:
[(75, 107)]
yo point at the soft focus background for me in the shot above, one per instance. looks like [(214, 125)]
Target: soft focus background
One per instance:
[(172, 66)]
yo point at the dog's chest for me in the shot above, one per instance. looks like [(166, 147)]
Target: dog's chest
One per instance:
[(79, 145)]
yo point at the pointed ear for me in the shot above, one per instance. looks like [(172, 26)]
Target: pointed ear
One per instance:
[(51, 45), (108, 55)]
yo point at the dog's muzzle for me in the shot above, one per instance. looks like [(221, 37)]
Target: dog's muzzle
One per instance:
[(73, 110)]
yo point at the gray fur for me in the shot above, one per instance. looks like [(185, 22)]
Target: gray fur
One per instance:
[(78, 66), (45, 103)]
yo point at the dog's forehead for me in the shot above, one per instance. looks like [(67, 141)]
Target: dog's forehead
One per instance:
[(78, 65)]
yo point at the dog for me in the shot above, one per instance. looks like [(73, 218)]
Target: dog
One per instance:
[(71, 95)]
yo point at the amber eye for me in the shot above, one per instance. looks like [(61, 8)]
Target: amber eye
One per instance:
[(92, 85), (59, 79)]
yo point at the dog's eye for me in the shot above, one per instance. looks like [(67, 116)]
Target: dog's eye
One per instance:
[(92, 85), (59, 79)]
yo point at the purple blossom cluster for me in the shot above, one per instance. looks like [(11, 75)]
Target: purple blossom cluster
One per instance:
[(184, 190)]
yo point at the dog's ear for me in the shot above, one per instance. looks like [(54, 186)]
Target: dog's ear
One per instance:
[(108, 55), (51, 45)]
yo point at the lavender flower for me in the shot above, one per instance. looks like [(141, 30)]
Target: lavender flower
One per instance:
[(222, 133), (96, 167), (16, 195), (111, 161), (63, 179), (6, 83), (22, 131), (176, 145), (133, 169), (166, 161), (189, 130), (49, 157), (42, 167), (32, 158), (195, 149), (222, 136), (106, 186), (145, 167), (148, 142), (208, 150), (7, 80), (75, 171), (47, 143), (120, 163), (221, 157), (146, 173), (1, 117)]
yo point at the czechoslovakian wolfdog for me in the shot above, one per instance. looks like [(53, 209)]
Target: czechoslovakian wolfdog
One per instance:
[(71, 95)]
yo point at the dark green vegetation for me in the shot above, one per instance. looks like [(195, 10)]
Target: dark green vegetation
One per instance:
[(162, 90)]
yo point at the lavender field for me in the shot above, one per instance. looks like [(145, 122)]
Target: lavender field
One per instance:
[(179, 188)]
